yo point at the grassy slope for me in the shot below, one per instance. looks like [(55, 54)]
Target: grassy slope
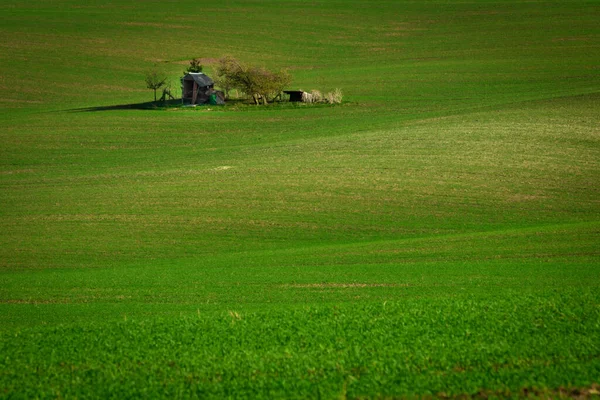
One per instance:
[(461, 175)]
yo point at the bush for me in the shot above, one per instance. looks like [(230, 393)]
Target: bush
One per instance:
[(194, 66), (334, 97), (315, 96), (307, 97)]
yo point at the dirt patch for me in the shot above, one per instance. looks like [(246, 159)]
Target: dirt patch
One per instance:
[(157, 25), (20, 101), (590, 392), (17, 171), (113, 88), (481, 12), (572, 39), (325, 285), (24, 301), (519, 198), (203, 61)]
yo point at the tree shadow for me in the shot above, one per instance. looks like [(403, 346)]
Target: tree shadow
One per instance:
[(150, 105)]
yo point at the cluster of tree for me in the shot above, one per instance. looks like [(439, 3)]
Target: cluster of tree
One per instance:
[(260, 83)]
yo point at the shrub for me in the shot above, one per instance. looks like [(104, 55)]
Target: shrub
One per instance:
[(307, 97), (195, 66), (334, 97), (317, 97)]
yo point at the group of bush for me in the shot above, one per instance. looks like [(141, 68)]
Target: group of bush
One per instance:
[(315, 96)]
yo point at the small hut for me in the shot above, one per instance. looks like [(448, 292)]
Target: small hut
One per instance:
[(196, 88)]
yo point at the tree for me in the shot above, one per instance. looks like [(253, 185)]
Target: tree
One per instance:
[(268, 84), (258, 82), (155, 79), (225, 71), (195, 66)]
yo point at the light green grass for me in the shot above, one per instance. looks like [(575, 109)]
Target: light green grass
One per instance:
[(437, 232)]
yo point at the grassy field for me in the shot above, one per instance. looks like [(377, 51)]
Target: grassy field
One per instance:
[(437, 234)]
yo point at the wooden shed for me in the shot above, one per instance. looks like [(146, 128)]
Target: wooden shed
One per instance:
[(196, 88)]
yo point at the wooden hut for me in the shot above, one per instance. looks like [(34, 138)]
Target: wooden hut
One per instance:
[(196, 88)]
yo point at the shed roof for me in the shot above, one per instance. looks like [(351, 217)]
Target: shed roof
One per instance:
[(199, 77)]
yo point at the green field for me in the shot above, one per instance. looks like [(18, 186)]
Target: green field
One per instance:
[(435, 235)]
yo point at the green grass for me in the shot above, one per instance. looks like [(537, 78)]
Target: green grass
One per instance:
[(451, 346), (436, 234)]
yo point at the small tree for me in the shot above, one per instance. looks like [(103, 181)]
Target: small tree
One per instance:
[(155, 79), (195, 66), (225, 71)]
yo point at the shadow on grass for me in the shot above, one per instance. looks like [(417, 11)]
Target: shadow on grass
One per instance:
[(150, 105), (231, 105)]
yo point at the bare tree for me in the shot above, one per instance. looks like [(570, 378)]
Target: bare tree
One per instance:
[(155, 79)]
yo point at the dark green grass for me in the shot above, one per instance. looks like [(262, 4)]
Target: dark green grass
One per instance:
[(437, 232), (413, 347)]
